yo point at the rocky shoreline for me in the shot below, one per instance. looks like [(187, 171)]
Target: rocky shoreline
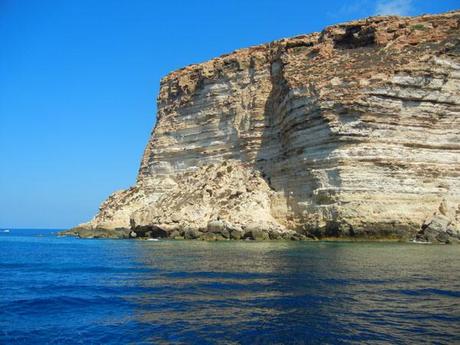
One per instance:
[(436, 231)]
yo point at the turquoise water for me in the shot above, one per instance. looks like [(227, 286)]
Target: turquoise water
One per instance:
[(69, 291)]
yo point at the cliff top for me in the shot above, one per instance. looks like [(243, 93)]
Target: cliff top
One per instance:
[(389, 32)]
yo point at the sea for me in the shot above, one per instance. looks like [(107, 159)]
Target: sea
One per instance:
[(56, 290)]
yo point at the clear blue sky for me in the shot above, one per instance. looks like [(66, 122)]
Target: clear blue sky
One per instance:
[(79, 79)]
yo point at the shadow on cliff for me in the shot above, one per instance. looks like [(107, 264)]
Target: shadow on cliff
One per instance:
[(296, 157)]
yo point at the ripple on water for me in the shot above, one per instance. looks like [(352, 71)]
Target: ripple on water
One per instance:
[(111, 292)]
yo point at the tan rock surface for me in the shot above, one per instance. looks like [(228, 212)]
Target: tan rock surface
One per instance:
[(354, 131)]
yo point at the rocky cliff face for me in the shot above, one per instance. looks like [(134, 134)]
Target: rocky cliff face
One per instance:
[(354, 131)]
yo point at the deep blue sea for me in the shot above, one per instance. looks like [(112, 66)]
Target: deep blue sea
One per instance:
[(70, 291)]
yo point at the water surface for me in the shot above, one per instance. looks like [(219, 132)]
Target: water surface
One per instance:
[(69, 291)]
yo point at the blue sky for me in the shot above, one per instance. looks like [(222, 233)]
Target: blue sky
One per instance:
[(79, 79)]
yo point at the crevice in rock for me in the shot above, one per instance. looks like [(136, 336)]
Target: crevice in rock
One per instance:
[(151, 231)]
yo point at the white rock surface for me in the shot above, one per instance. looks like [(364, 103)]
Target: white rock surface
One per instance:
[(354, 131)]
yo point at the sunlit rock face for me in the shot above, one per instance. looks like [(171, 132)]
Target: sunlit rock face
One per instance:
[(354, 131)]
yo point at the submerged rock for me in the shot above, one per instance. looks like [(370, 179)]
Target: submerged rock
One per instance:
[(98, 233)]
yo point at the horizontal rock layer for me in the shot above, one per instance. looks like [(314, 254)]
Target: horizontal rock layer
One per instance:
[(354, 131)]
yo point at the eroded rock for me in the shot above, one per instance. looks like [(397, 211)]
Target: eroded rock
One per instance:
[(439, 229), (351, 132)]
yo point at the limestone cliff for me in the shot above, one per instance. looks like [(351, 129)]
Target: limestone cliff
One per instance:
[(354, 131)]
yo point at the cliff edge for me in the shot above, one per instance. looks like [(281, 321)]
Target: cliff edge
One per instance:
[(351, 132)]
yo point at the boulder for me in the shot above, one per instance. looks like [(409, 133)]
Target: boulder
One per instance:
[(224, 233), (274, 235), (192, 234), (256, 231), (174, 234), (298, 237), (438, 223), (438, 229), (236, 234), (215, 226), (208, 236), (219, 228)]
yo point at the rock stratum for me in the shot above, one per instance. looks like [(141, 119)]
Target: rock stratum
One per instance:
[(353, 132)]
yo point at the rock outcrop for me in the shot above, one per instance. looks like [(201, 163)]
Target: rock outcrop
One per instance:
[(442, 227), (351, 132)]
